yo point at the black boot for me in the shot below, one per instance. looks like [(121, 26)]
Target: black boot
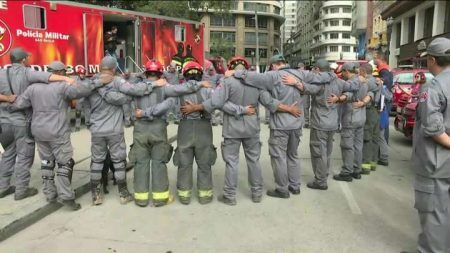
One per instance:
[(278, 194), (29, 192), (71, 204), (125, 195), (8, 191), (97, 196)]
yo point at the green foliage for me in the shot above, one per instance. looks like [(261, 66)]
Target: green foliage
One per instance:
[(191, 10)]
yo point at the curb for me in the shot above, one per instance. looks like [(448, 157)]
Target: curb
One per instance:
[(31, 218)]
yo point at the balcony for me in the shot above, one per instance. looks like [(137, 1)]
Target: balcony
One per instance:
[(336, 16), (337, 3), (334, 56), (339, 28)]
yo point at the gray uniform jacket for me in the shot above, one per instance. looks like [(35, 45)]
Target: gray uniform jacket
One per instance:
[(21, 77), (272, 81), (232, 98), (156, 101), (373, 91), (215, 79), (173, 77), (106, 109), (324, 116), (197, 98), (431, 159), (354, 117), (50, 103)]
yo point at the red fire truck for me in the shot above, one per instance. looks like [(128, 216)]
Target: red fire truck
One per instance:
[(74, 34)]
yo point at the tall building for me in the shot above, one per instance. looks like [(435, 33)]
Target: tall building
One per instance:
[(323, 32), (411, 26), (236, 32), (362, 26), (290, 14)]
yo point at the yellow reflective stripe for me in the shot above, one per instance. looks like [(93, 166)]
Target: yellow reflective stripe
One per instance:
[(203, 194), (160, 195), (184, 194), (141, 195), (365, 166)]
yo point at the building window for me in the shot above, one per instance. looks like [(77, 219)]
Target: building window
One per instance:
[(276, 25), (334, 36), (34, 17), (250, 38), (262, 22), (428, 25), (345, 48), (346, 22), (276, 10), (398, 35), (180, 33), (256, 7), (334, 49), (250, 21), (347, 10), (223, 36), (411, 27), (346, 35), (222, 21), (447, 18), (334, 10), (334, 23), (263, 52), (262, 38), (249, 52)]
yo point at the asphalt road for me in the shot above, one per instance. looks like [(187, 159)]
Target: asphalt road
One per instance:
[(374, 214)]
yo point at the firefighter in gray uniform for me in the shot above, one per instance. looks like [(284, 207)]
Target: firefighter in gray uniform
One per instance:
[(353, 119), (150, 133), (372, 126), (173, 77), (324, 116), (285, 128), (51, 131), (107, 131), (18, 157), (195, 140), (241, 125), (431, 152), (215, 79)]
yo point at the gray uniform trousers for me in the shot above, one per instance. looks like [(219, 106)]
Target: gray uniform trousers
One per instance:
[(151, 146), (61, 152), (195, 140), (371, 134), (17, 159), (283, 145), (230, 154), (432, 201), (321, 147), (306, 107), (118, 150), (6, 135), (384, 147), (351, 147)]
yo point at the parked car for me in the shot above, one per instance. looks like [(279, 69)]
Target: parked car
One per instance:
[(403, 81), (407, 105)]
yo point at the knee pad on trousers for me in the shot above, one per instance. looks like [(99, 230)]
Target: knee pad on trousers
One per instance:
[(65, 170), (47, 168)]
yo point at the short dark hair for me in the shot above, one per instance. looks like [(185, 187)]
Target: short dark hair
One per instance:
[(442, 61), (381, 56), (367, 68)]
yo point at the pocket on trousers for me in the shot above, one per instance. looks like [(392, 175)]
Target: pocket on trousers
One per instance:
[(425, 197), (212, 155), (176, 157), (274, 147)]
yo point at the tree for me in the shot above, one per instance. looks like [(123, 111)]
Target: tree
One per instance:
[(220, 47), (191, 10)]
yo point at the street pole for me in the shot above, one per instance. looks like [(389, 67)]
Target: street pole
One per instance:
[(257, 41), (283, 37)]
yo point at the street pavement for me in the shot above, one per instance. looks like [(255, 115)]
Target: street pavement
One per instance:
[(374, 214)]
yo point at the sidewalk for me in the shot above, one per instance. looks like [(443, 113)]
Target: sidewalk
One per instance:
[(17, 215)]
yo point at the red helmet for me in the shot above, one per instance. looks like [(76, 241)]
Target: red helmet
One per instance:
[(236, 61), (153, 66), (192, 68), (81, 70)]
